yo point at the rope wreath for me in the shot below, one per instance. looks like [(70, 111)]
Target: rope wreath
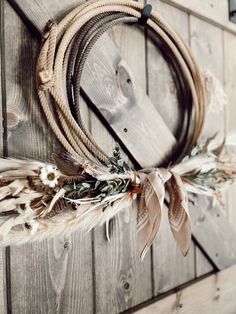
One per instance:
[(85, 187), (64, 54)]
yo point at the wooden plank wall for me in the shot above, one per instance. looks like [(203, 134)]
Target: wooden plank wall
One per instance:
[(85, 273), (162, 92), (214, 294), (3, 294), (118, 284), (214, 12), (53, 276), (206, 44)]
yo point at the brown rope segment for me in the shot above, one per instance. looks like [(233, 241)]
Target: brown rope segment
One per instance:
[(64, 53)]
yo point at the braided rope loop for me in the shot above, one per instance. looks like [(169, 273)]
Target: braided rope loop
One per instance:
[(64, 53)]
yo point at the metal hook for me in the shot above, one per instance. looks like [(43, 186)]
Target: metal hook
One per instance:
[(232, 11)]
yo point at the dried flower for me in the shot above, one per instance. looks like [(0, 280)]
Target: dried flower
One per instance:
[(48, 175)]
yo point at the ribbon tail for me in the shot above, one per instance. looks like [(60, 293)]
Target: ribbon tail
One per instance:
[(149, 218), (179, 214), (150, 209)]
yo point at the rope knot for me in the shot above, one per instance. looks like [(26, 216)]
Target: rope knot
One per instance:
[(46, 59), (46, 79), (44, 76)]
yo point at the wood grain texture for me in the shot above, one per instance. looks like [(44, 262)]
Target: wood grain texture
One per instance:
[(3, 279), (38, 14), (122, 281), (206, 43), (203, 265), (170, 267), (215, 294), (212, 228), (229, 80), (53, 276), (2, 76), (113, 88), (215, 12), (3, 282), (161, 86)]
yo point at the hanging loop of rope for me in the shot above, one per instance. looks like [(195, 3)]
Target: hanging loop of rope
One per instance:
[(62, 58)]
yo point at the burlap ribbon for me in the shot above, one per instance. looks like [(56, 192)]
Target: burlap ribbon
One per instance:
[(151, 203)]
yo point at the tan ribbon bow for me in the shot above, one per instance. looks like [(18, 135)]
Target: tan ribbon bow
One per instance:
[(150, 209)]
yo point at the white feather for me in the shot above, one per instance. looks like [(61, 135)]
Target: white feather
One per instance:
[(194, 163), (13, 188), (10, 163), (19, 173)]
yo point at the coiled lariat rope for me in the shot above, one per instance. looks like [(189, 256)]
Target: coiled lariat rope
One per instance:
[(64, 53), (85, 187)]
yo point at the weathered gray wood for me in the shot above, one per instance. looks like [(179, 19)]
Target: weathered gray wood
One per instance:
[(122, 281), (229, 79), (41, 11), (3, 280), (170, 267), (212, 229), (161, 86), (215, 294), (213, 11), (2, 92), (53, 276), (3, 287), (126, 106), (206, 43), (203, 265)]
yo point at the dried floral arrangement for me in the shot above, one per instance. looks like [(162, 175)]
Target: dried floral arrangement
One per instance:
[(84, 187)]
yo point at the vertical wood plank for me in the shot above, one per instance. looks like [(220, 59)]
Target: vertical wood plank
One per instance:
[(206, 42), (170, 267), (2, 72), (52, 276), (39, 12), (215, 12), (161, 86), (3, 277), (3, 284), (3, 287), (122, 281), (229, 80)]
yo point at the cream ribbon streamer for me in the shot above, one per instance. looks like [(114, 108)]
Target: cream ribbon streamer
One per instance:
[(155, 185)]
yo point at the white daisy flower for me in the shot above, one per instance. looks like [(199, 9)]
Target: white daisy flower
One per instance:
[(49, 176)]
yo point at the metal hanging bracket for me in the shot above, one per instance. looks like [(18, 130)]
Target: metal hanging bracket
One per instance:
[(232, 11)]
